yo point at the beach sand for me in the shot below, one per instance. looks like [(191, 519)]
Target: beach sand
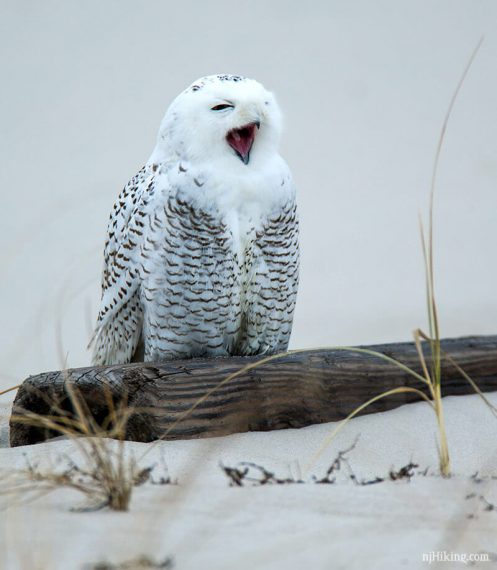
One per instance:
[(202, 522)]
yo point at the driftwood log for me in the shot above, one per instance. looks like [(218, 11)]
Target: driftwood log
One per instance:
[(293, 391)]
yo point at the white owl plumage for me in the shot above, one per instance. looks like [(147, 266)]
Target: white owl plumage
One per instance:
[(202, 253)]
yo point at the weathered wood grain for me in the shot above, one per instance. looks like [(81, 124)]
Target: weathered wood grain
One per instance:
[(293, 391)]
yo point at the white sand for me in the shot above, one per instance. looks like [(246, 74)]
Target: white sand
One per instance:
[(204, 523)]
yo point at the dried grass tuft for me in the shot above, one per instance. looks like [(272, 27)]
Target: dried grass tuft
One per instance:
[(104, 473)]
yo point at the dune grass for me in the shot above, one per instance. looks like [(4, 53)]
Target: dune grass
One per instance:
[(103, 472), (431, 367)]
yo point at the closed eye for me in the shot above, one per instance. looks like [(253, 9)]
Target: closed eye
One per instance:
[(222, 107)]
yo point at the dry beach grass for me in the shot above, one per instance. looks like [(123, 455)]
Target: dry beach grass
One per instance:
[(103, 473)]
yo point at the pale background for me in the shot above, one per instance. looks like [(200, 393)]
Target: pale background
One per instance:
[(364, 87)]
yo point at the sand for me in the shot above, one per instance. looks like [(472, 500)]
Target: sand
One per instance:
[(202, 522)]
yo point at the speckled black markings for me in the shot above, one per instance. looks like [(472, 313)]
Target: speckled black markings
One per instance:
[(269, 313), (126, 221), (195, 308), (199, 85)]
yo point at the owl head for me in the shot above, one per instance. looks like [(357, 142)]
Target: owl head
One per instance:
[(225, 118)]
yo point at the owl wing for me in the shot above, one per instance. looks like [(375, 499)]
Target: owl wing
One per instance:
[(271, 288), (119, 321)]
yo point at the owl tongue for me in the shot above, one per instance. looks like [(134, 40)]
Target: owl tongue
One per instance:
[(241, 140)]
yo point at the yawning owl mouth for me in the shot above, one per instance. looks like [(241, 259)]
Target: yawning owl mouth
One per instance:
[(242, 139)]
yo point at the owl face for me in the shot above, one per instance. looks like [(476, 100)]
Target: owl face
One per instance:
[(223, 117)]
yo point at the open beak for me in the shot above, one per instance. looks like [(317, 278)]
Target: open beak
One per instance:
[(242, 139)]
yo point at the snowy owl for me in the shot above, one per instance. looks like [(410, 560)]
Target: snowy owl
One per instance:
[(202, 253)]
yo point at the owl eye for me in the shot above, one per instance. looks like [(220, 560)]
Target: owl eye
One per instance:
[(222, 107)]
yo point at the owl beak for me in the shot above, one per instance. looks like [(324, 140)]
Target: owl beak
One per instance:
[(242, 139)]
